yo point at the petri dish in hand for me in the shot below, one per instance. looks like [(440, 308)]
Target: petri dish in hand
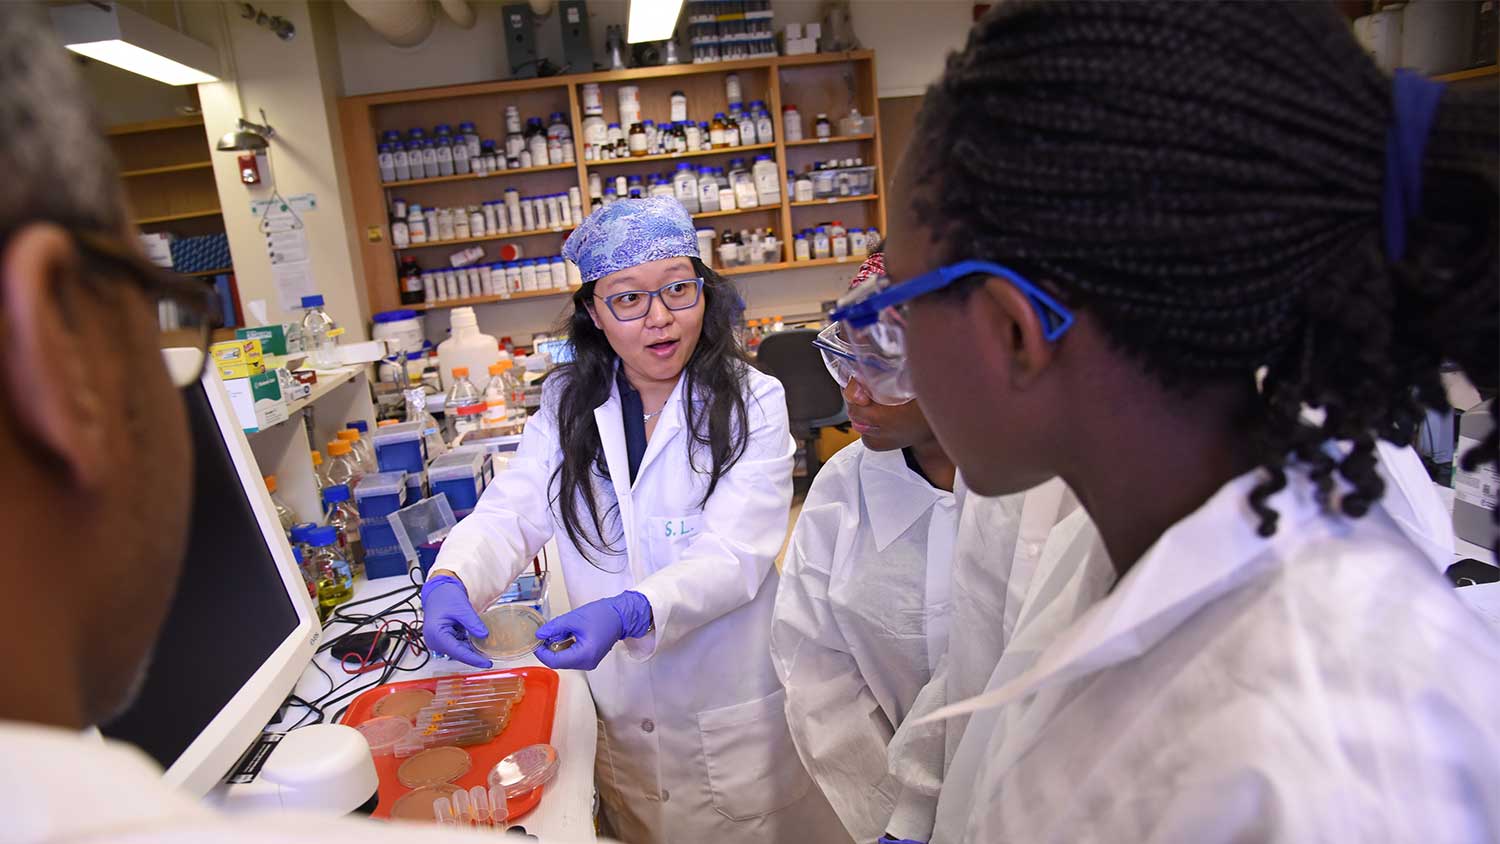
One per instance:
[(512, 631)]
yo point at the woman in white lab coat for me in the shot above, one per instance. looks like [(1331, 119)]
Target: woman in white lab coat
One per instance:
[(661, 463), (1195, 259), (862, 614)]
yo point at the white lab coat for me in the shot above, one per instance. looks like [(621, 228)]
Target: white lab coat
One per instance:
[(693, 742), (63, 787), (1323, 684), (1000, 582), (861, 621)]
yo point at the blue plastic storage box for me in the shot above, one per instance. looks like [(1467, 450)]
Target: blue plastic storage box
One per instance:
[(399, 448), (461, 476), (387, 561)]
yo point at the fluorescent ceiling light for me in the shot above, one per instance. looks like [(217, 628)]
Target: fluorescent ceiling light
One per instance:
[(131, 41), (652, 20)]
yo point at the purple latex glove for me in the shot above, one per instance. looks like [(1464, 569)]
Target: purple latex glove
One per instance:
[(449, 621), (887, 839), (594, 627)]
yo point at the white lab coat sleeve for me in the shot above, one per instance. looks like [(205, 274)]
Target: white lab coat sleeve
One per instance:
[(837, 725), (917, 760), (744, 522), (490, 548)]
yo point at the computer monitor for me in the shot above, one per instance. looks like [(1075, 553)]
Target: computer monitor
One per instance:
[(557, 349), (241, 628)]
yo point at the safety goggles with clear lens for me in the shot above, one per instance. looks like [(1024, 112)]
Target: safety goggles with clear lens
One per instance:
[(872, 317), (886, 379)]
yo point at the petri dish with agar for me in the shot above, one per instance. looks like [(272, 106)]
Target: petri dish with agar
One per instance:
[(512, 631), (433, 766), (403, 703), (525, 770), (383, 733), (418, 805)]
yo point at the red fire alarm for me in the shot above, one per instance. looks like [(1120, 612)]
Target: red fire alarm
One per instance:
[(249, 169)]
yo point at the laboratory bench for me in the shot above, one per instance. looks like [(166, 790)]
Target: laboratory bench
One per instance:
[(566, 811)]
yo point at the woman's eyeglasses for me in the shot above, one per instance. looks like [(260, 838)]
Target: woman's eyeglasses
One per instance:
[(632, 305), (184, 307)]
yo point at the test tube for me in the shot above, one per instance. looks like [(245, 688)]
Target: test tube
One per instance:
[(479, 806), (499, 804), (461, 809), (442, 808)]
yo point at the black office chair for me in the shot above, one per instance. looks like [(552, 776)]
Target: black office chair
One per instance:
[(813, 399)]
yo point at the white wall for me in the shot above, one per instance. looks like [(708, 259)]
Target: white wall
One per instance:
[(911, 39), (296, 82)]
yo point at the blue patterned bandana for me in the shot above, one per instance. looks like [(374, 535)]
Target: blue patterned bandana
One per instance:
[(631, 232)]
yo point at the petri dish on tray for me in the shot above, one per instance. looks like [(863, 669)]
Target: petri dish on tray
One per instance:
[(384, 732), (417, 805), (433, 766), (512, 631), (527, 769), (403, 703)]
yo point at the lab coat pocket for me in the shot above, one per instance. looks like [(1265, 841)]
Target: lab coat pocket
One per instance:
[(753, 767), (669, 536)]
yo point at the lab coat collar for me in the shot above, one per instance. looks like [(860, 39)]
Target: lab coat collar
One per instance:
[(611, 421), (895, 496), (69, 785), (1206, 555)]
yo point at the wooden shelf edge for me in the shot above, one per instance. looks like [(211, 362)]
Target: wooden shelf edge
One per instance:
[(170, 168), (706, 215), (470, 177), (186, 215), (489, 300), (836, 139), (836, 200), (206, 273), (155, 125), (1471, 73), (677, 156), (787, 265), (486, 239)]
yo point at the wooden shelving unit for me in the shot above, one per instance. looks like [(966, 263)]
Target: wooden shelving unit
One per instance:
[(170, 168), (1472, 73), (485, 300), (831, 83), (836, 200), (489, 238)]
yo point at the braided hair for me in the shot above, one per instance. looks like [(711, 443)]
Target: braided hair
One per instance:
[(1205, 178)]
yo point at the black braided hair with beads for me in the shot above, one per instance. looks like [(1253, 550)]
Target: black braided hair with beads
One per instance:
[(1205, 178)]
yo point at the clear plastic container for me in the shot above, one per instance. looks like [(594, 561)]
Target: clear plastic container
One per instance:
[(465, 405), (524, 771), (343, 467), (429, 433), (284, 513), (361, 451), (512, 631), (320, 333), (319, 470), (461, 475), (335, 580), (344, 517)]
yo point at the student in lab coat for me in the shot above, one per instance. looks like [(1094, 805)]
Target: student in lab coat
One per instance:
[(862, 614), (662, 463), (1129, 216)]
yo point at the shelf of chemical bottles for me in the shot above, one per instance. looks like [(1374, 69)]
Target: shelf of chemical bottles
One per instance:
[(170, 168), (186, 215), (835, 200), (749, 269), (836, 139), (485, 300), (487, 238), (673, 156), (1471, 73), (470, 177)]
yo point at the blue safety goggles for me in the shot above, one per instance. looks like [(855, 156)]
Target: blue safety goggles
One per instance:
[(866, 312)]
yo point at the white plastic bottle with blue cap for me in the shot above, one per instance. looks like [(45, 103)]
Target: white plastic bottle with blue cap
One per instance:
[(320, 333)]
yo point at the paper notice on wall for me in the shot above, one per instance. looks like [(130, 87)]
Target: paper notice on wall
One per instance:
[(293, 281), (287, 247)]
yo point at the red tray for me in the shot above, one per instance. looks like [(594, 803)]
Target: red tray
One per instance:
[(530, 723)]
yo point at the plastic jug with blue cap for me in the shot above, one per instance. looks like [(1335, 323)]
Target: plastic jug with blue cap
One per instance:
[(320, 333), (328, 564), (344, 517)]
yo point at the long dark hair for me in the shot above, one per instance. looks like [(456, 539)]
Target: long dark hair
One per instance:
[(713, 396), (1205, 178)]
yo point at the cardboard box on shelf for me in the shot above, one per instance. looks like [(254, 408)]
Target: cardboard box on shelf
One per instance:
[(238, 358), (257, 401), (278, 339)]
